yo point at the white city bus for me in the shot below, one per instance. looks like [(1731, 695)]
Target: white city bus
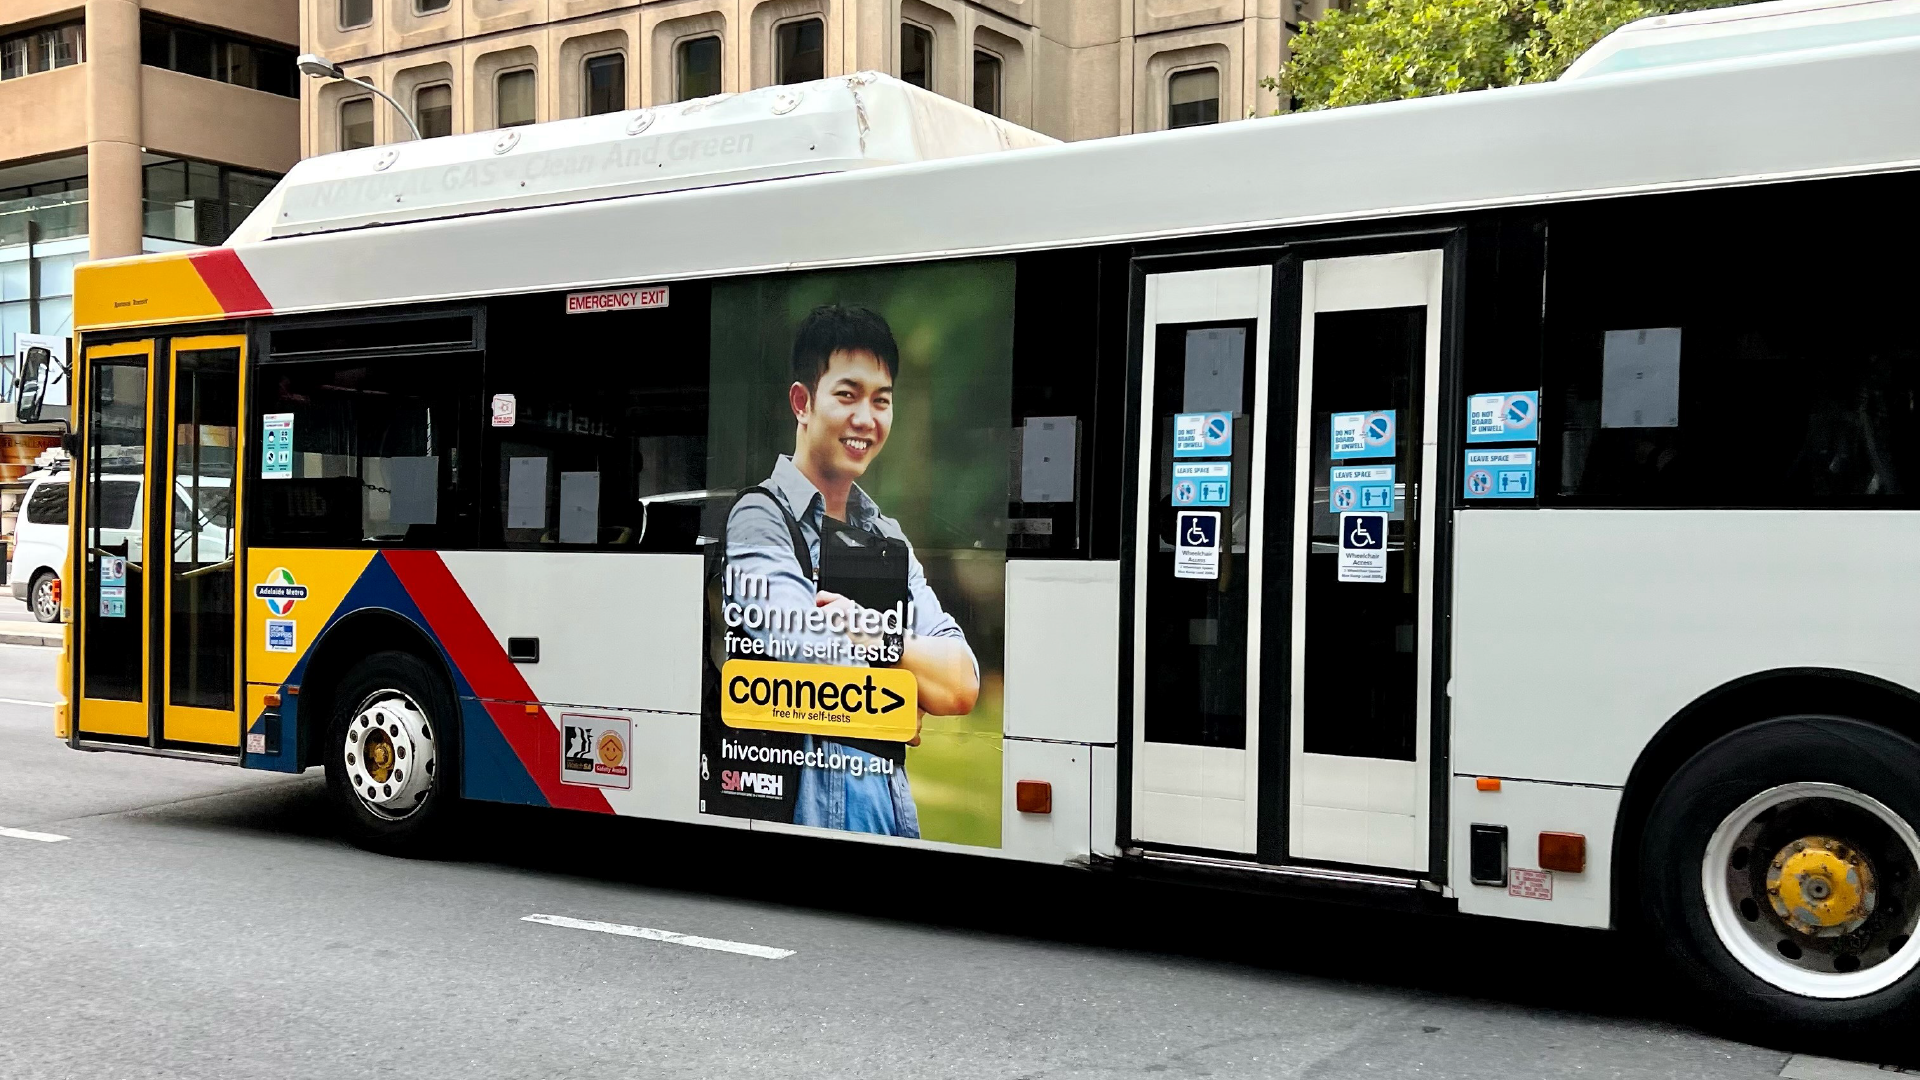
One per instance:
[(1502, 503)]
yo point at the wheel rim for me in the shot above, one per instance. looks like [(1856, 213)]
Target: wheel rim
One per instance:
[(1815, 889), (390, 755), (43, 602)]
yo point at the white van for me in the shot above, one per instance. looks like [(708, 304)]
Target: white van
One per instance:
[(40, 533), (40, 543)]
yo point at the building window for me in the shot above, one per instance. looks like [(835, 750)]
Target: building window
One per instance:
[(916, 56), (513, 98), (433, 110), (355, 13), (1193, 98), (986, 82), (606, 84), (42, 49), (799, 51), (356, 123), (199, 203), (696, 68), (428, 7), (209, 54)]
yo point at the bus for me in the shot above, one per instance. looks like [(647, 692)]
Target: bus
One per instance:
[(1505, 504)]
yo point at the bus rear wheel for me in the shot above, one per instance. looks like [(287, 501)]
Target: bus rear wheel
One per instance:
[(391, 753), (1781, 869)]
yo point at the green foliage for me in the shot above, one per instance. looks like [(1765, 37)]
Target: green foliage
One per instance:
[(1389, 49)]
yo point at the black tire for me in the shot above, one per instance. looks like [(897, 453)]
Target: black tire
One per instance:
[(421, 828), (1728, 776), (40, 599)]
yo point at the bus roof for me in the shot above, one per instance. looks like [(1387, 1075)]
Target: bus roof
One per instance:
[(1826, 110), (1778, 26)]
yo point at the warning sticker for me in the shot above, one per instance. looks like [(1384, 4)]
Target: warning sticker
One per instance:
[(596, 750), (1530, 884), (1363, 434), (1513, 417)]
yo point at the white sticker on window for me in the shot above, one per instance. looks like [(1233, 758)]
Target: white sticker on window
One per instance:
[(527, 493), (579, 507), (1046, 459), (1640, 379), (415, 483)]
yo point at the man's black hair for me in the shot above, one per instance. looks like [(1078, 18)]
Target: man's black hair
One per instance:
[(831, 328)]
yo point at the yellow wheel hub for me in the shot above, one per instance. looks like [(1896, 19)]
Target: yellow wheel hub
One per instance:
[(379, 756), (1821, 886)]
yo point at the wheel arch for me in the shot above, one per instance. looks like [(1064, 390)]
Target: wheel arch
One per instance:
[(348, 641), (1728, 708)]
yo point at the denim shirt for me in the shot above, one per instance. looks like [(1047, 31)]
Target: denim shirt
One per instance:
[(759, 544)]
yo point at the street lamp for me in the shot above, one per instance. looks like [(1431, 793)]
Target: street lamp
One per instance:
[(315, 66)]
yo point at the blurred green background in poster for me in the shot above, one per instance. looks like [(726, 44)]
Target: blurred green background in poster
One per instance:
[(943, 473)]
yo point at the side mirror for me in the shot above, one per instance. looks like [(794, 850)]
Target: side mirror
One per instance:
[(35, 369)]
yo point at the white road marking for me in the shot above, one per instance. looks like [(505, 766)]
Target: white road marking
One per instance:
[(764, 952), (24, 701), (22, 834), (1808, 1067)]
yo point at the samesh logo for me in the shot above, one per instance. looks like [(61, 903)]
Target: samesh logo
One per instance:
[(760, 784), (280, 591), (594, 750)]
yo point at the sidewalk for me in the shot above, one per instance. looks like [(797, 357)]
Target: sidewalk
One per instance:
[(18, 626)]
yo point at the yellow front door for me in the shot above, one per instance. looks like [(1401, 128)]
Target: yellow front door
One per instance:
[(158, 606)]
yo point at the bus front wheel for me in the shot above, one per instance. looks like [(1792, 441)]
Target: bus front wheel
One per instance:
[(1781, 870), (391, 753)]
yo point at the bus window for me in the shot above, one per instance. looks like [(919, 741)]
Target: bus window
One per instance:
[(375, 447), (1699, 361), (599, 429)]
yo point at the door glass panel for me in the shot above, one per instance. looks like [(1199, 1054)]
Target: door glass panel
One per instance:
[(1196, 686), (200, 638), (1362, 635), (113, 599)]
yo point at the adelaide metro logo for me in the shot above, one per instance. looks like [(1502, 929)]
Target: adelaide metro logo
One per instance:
[(280, 591)]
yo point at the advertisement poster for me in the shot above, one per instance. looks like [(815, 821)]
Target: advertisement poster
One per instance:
[(855, 604)]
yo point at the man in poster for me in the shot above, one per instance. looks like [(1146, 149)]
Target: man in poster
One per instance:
[(844, 363)]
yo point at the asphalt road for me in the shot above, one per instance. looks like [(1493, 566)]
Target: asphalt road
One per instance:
[(206, 922)]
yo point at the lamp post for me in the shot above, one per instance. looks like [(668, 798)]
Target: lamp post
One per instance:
[(315, 66)]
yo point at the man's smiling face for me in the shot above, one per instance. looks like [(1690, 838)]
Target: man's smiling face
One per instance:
[(845, 421)]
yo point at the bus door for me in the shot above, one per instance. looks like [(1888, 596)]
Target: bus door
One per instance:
[(159, 633), (1283, 596), (1200, 561), (1365, 506)]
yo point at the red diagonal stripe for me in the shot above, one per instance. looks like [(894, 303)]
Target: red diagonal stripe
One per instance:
[(230, 282), (494, 678)]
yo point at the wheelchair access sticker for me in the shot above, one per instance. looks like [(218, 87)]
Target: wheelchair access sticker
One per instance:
[(1196, 552), (1363, 547)]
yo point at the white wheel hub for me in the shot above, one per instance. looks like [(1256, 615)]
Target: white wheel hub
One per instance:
[(389, 754), (1815, 889)]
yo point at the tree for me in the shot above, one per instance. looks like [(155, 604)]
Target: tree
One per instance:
[(1392, 49)]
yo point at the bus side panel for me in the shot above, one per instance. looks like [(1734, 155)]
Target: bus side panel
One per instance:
[(1578, 634), (619, 636)]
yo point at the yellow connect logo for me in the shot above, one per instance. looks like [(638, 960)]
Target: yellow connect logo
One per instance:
[(819, 699)]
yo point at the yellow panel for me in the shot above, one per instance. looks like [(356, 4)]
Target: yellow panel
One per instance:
[(143, 289), (215, 727), (319, 578), (101, 717)]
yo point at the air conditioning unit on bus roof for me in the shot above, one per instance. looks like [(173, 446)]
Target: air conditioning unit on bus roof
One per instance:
[(832, 125)]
